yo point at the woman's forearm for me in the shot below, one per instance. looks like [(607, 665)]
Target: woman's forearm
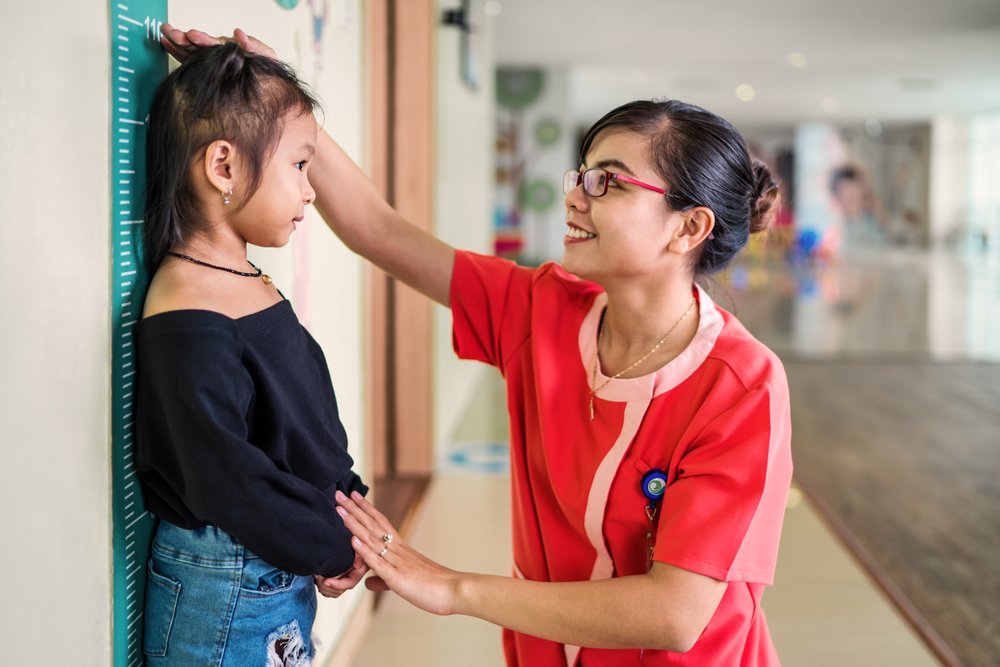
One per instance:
[(625, 612), (356, 212), (666, 609)]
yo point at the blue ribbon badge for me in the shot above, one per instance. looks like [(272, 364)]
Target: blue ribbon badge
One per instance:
[(654, 483)]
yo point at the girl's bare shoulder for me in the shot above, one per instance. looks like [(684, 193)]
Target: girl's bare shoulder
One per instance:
[(176, 286)]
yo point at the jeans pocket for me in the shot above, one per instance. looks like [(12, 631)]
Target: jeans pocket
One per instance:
[(162, 594), (262, 578)]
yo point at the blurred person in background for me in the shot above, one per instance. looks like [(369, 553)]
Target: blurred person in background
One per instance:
[(860, 216)]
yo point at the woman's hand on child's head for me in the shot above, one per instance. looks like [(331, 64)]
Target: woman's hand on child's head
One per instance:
[(180, 43), (334, 587), (252, 44)]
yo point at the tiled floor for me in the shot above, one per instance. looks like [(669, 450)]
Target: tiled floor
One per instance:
[(823, 610), (880, 303)]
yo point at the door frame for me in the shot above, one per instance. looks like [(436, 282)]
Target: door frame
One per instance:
[(398, 320)]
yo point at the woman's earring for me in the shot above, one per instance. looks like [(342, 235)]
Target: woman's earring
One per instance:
[(226, 197)]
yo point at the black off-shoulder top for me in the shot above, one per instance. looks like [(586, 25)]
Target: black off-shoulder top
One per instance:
[(237, 427)]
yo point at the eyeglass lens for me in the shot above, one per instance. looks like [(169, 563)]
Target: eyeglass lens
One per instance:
[(595, 181), (570, 180)]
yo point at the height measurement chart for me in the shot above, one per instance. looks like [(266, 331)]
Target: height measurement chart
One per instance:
[(138, 64)]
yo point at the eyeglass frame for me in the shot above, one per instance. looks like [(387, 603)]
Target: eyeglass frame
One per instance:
[(581, 177)]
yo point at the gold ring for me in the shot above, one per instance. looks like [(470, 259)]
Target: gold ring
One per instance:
[(387, 538), (384, 549)]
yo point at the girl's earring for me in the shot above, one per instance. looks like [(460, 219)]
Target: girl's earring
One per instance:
[(227, 197)]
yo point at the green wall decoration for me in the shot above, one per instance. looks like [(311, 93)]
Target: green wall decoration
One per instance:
[(287, 4), (518, 87), (538, 195), (138, 64), (547, 131)]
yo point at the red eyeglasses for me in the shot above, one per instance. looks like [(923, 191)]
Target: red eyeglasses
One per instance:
[(595, 181)]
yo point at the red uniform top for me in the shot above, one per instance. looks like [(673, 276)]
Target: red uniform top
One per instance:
[(715, 420)]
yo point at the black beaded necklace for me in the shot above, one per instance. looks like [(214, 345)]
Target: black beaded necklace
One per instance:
[(256, 273)]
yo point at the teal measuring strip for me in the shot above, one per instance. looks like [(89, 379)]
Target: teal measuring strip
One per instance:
[(138, 64)]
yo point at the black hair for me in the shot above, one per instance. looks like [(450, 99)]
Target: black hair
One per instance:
[(218, 93), (847, 172), (705, 162)]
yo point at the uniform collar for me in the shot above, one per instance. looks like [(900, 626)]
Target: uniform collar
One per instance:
[(664, 379)]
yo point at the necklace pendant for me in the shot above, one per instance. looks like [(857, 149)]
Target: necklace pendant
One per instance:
[(597, 354), (266, 278)]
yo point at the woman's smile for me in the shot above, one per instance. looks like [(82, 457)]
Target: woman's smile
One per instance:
[(576, 234)]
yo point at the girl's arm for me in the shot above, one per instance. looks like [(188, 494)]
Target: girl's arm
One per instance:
[(356, 212), (665, 609)]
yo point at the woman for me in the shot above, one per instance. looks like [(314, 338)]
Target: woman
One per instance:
[(649, 431)]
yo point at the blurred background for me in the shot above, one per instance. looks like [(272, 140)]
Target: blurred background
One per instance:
[(880, 117), (878, 286)]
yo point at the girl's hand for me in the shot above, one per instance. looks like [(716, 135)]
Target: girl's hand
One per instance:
[(399, 568), (334, 587), (181, 44)]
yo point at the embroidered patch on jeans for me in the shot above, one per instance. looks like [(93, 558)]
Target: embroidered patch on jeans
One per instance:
[(286, 648)]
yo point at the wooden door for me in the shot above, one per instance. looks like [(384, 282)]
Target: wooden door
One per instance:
[(399, 320)]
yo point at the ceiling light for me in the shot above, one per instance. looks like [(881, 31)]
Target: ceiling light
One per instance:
[(830, 104), (745, 92), (797, 60), (873, 128), (492, 8)]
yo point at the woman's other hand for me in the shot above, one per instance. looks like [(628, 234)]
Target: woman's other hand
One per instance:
[(397, 566), (180, 44), (334, 587)]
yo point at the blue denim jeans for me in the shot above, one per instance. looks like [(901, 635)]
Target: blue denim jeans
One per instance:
[(210, 601)]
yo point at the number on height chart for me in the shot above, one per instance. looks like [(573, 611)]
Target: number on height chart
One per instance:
[(153, 28)]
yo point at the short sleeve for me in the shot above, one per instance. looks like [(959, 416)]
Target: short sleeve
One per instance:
[(194, 453), (722, 514), (491, 307)]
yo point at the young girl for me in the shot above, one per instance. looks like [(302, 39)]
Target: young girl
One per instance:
[(240, 448)]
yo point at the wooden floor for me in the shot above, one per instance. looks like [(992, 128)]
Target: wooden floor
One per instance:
[(399, 498), (904, 459)]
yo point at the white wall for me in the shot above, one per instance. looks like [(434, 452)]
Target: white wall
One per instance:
[(463, 195), (54, 362), (55, 486)]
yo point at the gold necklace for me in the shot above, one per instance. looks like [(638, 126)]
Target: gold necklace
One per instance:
[(597, 354)]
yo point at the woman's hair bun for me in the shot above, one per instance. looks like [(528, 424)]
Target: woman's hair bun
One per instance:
[(766, 198)]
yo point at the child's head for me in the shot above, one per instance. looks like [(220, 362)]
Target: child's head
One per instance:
[(222, 111)]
